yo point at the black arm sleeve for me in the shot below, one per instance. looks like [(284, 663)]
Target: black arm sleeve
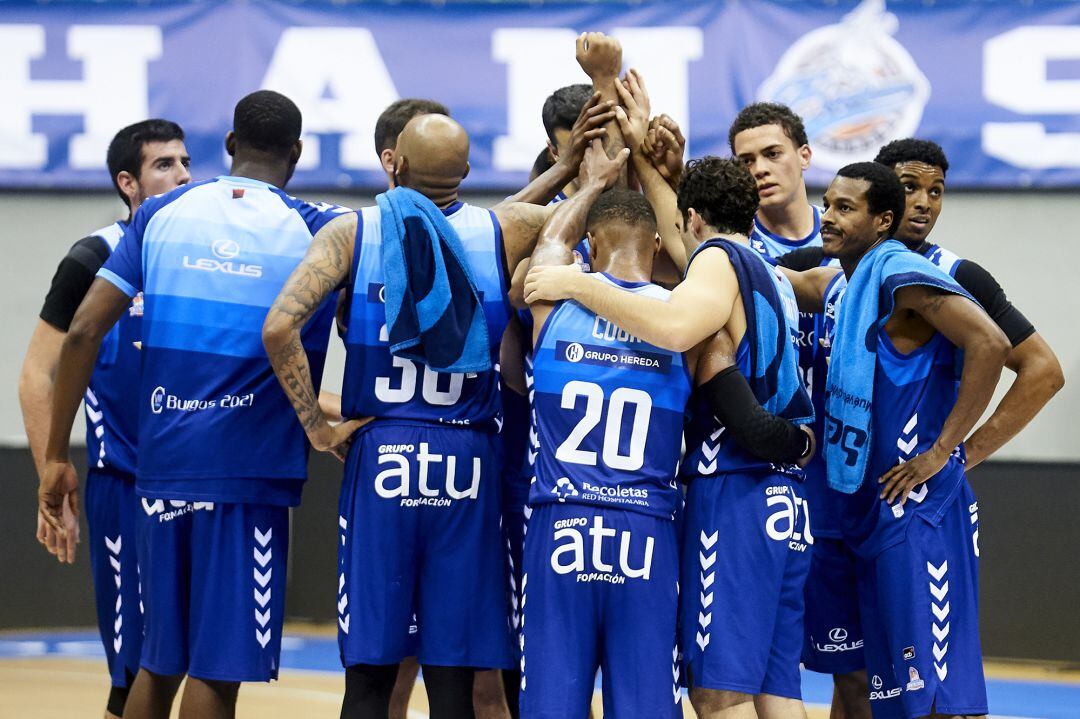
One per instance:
[(802, 259), (72, 281), (986, 290), (759, 432)]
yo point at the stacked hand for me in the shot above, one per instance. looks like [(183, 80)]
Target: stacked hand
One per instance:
[(589, 126), (598, 169), (665, 146), (600, 56), (633, 114)]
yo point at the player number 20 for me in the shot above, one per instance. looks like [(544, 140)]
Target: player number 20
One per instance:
[(622, 400), (386, 390)]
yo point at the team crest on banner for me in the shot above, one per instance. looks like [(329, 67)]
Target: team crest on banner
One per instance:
[(853, 84)]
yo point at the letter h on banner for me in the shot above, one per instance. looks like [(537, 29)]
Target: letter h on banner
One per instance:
[(112, 93)]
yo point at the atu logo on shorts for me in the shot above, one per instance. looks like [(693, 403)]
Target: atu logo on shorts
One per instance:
[(855, 87)]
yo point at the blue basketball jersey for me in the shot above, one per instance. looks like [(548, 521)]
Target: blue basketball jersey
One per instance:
[(112, 399), (609, 410), (210, 258), (378, 384), (709, 448), (946, 260), (913, 396)]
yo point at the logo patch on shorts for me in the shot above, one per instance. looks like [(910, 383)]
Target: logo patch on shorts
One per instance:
[(909, 653), (915, 682)]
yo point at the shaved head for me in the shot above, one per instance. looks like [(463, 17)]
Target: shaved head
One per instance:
[(432, 156)]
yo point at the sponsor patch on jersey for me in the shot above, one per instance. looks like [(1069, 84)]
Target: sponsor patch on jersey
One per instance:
[(612, 357)]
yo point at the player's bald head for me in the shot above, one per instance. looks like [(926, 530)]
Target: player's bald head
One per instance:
[(432, 151)]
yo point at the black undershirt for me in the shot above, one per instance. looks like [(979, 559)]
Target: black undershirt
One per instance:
[(969, 275), (72, 281)]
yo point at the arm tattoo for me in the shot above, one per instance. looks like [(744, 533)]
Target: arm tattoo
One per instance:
[(521, 224), (324, 267)]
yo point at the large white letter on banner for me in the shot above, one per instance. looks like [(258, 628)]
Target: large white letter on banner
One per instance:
[(112, 93), (541, 60), (338, 79), (1014, 77)]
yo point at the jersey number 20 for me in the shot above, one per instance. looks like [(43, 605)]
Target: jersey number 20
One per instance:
[(622, 400)]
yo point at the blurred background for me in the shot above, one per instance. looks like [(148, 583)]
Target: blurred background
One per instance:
[(996, 83)]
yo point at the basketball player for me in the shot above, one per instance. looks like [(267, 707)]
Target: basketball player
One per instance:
[(730, 670), (913, 524), (220, 459), (772, 141), (432, 509), (144, 159)]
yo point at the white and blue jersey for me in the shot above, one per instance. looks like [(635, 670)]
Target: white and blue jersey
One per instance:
[(773, 245), (378, 384), (609, 411), (210, 258), (948, 261), (111, 399), (913, 396)]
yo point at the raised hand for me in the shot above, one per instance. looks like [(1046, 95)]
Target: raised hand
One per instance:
[(589, 126), (597, 168), (633, 115), (600, 56), (665, 147)]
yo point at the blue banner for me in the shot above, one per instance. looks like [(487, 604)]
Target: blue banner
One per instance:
[(997, 84)]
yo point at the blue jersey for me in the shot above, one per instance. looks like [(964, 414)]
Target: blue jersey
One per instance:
[(378, 384), (946, 260), (709, 449), (913, 396), (609, 411), (210, 258), (112, 399)]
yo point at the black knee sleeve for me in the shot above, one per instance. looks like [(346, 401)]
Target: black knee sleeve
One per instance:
[(117, 699), (512, 687), (450, 691), (367, 691)]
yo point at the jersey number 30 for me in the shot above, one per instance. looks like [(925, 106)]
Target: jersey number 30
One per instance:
[(622, 400), (386, 391)]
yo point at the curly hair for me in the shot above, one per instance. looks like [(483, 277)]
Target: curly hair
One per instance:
[(911, 149), (768, 113), (885, 192), (267, 121), (722, 191)]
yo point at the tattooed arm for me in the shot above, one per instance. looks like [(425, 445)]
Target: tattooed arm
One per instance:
[(985, 348), (520, 223), (323, 269)]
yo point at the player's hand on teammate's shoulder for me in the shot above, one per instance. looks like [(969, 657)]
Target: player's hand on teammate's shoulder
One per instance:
[(552, 283), (598, 169), (599, 56), (665, 147), (58, 506), (898, 482)]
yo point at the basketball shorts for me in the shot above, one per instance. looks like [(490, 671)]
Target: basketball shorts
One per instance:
[(833, 640), (746, 553), (111, 507), (213, 581), (419, 520), (600, 591), (919, 602)]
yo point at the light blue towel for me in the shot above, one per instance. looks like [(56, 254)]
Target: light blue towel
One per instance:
[(434, 313), (868, 304)]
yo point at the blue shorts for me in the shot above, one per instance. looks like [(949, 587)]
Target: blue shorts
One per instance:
[(513, 521), (745, 558), (213, 580), (919, 601), (419, 517), (833, 640), (601, 591), (111, 513)]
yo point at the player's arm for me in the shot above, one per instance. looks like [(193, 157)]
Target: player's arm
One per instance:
[(1038, 373), (810, 286), (696, 309), (565, 227), (324, 267), (633, 119), (985, 348), (732, 401), (99, 311), (588, 127), (600, 57)]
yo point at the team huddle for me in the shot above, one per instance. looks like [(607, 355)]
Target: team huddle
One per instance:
[(667, 422)]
